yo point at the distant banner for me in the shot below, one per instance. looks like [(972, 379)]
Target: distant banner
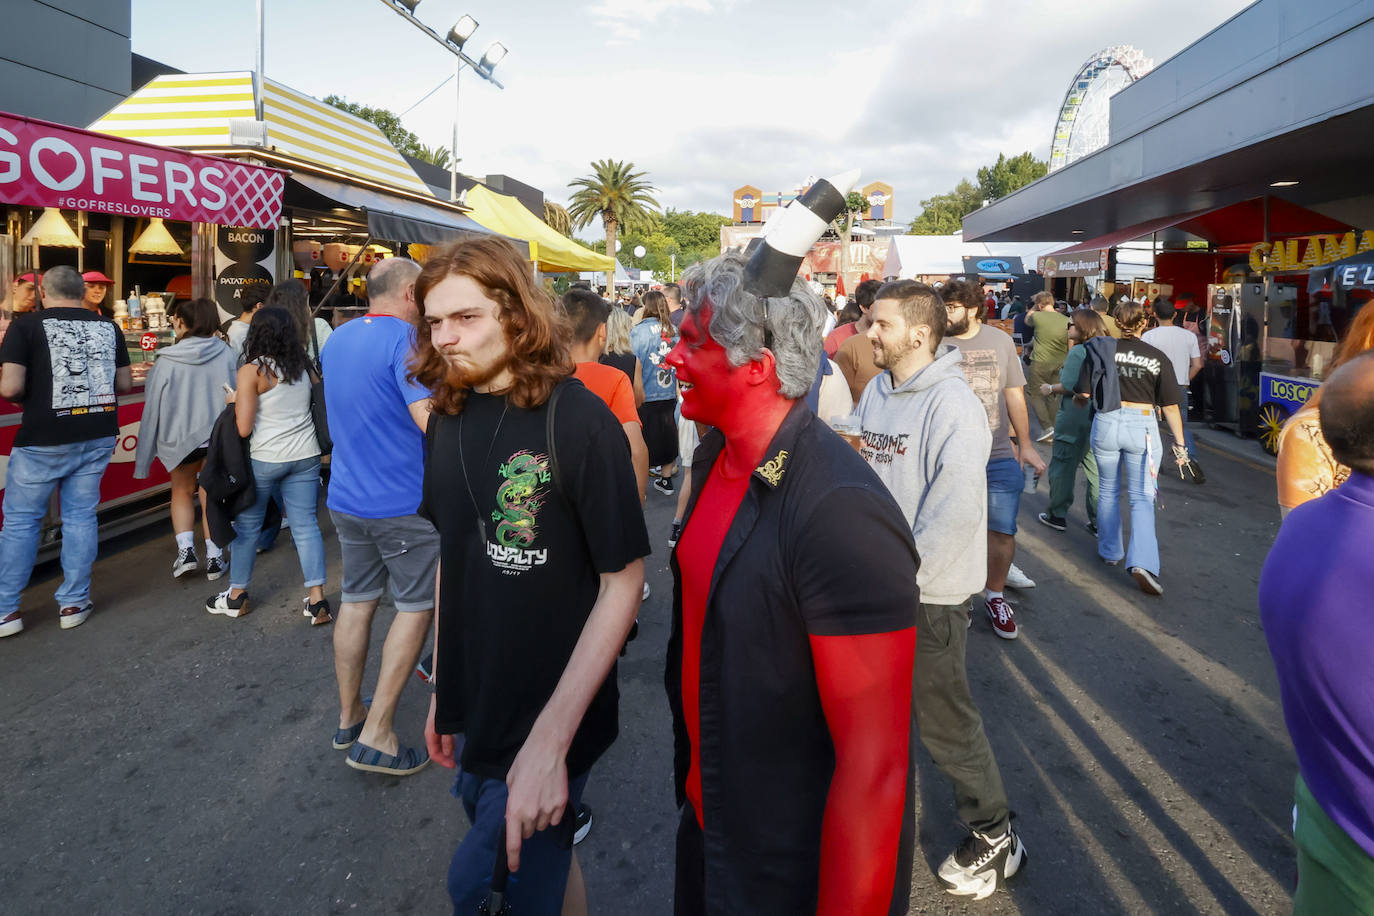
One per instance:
[(1082, 264), (48, 165)]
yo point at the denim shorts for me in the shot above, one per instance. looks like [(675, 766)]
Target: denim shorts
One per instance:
[(1005, 480), (402, 551)]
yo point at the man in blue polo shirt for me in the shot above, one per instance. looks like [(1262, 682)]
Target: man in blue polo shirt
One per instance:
[(1316, 608), (377, 418)]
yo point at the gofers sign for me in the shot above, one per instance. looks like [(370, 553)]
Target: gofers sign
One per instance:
[(48, 165)]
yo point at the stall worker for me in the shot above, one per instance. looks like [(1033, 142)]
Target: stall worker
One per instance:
[(97, 288), (21, 298)]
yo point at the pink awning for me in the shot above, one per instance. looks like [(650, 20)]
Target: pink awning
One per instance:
[(49, 165)]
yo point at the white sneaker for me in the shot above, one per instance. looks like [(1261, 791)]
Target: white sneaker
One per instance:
[(1017, 579), (645, 596), (981, 863)]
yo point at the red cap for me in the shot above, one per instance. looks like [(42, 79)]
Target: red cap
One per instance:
[(29, 277), (95, 276)]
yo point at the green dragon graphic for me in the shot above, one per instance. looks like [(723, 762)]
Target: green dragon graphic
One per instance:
[(518, 499)]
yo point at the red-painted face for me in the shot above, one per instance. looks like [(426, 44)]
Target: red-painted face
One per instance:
[(713, 391)]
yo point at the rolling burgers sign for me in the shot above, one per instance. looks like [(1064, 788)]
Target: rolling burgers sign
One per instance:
[(48, 165)]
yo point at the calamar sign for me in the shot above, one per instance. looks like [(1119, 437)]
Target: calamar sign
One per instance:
[(1306, 253)]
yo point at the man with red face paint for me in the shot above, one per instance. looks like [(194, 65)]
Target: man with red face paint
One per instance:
[(789, 666)]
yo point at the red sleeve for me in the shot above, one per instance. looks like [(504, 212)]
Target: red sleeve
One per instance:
[(865, 689)]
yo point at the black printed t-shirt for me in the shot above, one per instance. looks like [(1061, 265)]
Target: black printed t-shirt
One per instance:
[(69, 356), (1145, 374), (521, 561)]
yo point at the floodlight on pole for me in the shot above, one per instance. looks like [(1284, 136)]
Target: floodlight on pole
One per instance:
[(462, 30), (495, 53)]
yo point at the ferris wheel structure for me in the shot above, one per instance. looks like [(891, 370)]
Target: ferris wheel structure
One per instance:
[(1084, 118)]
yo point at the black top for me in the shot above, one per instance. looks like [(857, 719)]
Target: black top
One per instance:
[(70, 356), (625, 362), (521, 568), (782, 576), (1144, 374)]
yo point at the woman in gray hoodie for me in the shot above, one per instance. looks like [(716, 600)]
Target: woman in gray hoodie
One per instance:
[(183, 395)]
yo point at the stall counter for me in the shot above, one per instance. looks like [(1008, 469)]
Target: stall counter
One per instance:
[(124, 501)]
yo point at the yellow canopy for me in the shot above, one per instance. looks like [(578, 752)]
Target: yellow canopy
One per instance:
[(552, 252)]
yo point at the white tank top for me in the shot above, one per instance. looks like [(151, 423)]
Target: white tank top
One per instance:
[(284, 430)]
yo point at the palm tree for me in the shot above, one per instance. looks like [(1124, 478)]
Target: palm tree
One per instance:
[(557, 218), (619, 195), (438, 155)]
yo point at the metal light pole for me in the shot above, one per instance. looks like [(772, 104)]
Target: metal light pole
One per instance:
[(457, 37)]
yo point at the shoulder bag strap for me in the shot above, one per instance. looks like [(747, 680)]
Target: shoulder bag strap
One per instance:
[(549, 435)]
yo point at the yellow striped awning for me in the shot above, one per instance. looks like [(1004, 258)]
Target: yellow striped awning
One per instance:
[(194, 110)]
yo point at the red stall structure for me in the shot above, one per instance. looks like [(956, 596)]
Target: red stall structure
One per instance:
[(137, 213)]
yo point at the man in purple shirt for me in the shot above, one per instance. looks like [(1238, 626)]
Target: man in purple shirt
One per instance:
[(1317, 608)]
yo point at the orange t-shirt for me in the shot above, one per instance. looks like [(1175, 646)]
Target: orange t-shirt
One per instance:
[(613, 387)]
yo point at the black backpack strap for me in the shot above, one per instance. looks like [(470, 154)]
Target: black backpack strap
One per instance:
[(549, 435)]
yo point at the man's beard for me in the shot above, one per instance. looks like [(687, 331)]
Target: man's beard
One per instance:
[(463, 376), (955, 328), (885, 358)]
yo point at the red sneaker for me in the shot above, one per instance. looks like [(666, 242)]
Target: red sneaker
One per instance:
[(1002, 616)]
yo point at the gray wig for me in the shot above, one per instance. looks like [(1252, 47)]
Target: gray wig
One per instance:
[(739, 320)]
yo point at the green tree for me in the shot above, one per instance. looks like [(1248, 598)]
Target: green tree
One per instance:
[(1006, 175), (388, 122), (557, 217), (944, 214), (620, 196)]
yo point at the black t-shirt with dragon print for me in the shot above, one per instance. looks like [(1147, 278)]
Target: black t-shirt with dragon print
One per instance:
[(522, 557)]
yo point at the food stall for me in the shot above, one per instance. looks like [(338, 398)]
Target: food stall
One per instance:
[(1312, 289), (139, 213)]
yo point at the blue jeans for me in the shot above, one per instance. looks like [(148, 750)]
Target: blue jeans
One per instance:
[(298, 484), (1126, 444), (34, 472), (537, 888)]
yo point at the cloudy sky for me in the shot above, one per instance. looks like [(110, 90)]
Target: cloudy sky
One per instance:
[(703, 95)]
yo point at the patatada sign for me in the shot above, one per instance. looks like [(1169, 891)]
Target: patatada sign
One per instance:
[(1309, 252)]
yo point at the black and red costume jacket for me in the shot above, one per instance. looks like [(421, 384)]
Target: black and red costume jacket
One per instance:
[(817, 547)]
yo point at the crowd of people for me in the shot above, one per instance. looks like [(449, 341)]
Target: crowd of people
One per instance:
[(516, 436)]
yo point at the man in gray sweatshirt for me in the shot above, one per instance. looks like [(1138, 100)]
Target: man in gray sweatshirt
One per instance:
[(926, 435)]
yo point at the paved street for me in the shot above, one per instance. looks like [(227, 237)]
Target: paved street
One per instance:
[(162, 760)]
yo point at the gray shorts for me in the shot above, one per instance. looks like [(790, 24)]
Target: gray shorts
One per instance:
[(403, 550)]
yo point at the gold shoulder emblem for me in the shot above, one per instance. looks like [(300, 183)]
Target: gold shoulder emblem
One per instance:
[(771, 470)]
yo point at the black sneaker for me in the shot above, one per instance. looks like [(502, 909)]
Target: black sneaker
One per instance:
[(664, 485), (1149, 583), (674, 534), (229, 607), (424, 669), (318, 613), (1054, 521), (1090, 526), (981, 863), (185, 562), (584, 824), (214, 568)]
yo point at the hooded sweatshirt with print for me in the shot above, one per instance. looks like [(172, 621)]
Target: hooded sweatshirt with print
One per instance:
[(928, 440), (183, 396)]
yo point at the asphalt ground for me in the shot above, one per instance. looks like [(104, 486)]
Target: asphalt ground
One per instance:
[(162, 760)]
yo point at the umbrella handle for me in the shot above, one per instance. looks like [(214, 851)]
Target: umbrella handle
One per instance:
[(495, 904)]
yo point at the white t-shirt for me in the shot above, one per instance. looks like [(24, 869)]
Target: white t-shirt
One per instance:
[(1179, 344)]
